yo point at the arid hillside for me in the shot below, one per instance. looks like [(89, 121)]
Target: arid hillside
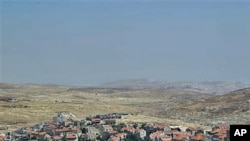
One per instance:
[(27, 104), (233, 108)]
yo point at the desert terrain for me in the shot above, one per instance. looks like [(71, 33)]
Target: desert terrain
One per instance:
[(27, 104)]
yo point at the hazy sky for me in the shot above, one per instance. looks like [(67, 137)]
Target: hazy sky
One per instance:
[(88, 43)]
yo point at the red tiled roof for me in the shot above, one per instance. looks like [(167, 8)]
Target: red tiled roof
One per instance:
[(220, 131), (57, 137), (166, 139), (31, 132), (52, 126), (114, 139), (156, 134), (121, 135), (113, 132), (2, 139), (107, 127), (160, 126), (96, 120), (71, 136), (129, 129), (75, 129), (62, 130), (138, 130), (179, 137), (42, 133)]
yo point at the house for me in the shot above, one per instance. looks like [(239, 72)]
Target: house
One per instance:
[(110, 121), (95, 121), (128, 130), (93, 131), (121, 135), (38, 127), (155, 136), (195, 130), (181, 136), (68, 123), (32, 135), (77, 123), (50, 128), (17, 136), (61, 132), (114, 139), (24, 139), (106, 135), (43, 136), (106, 128), (89, 118), (57, 138), (8, 138), (71, 137), (162, 127), (175, 133), (2, 138), (63, 116), (121, 125), (117, 115), (198, 137), (191, 130), (166, 129), (165, 139), (20, 131), (112, 133), (90, 136), (150, 128), (219, 137), (141, 133), (220, 133), (75, 130)]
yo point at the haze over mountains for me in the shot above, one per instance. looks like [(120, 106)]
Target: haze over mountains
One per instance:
[(210, 87)]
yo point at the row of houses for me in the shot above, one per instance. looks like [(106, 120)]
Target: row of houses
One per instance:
[(65, 127)]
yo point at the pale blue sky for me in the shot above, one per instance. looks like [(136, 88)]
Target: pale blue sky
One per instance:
[(89, 43)]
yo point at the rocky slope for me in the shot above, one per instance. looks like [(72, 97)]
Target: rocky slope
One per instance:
[(233, 108)]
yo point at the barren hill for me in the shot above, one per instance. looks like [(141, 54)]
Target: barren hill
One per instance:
[(233, 107), (27, 104)]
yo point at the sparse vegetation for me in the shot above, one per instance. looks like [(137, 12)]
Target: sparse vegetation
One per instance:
[(36, 103)]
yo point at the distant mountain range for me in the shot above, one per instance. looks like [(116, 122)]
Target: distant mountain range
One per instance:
[(210, 87)]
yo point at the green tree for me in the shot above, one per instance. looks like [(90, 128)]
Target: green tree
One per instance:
[(84, 130), (45, 139), (147, 138), (33, 138), (131, 137), (80, 138), (98, 137), (143, 125), (135, 126), (64, 138)]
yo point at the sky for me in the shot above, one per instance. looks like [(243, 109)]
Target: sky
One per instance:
[(93, 42)]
